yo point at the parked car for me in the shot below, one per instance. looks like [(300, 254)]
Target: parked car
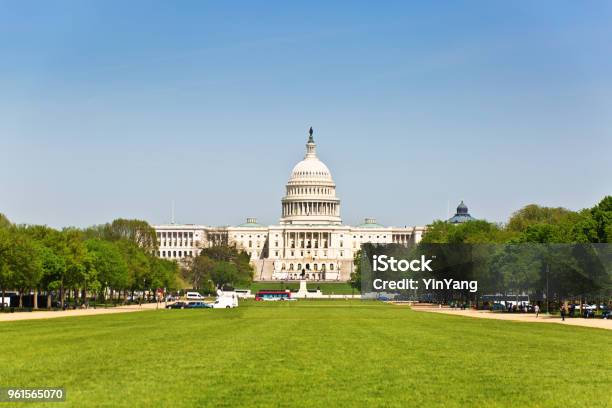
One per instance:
[(198, 305), (194, 296), (178, 305)]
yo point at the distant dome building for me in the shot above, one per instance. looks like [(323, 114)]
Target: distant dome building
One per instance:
[(462, 215)]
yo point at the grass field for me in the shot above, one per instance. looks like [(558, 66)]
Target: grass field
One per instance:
[(308, 353), (328, 288)]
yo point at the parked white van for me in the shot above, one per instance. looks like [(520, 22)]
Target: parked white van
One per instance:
[(194, 296), (226, 302)]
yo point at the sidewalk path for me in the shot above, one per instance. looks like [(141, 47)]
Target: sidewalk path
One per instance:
[(519, 317), (8, 317)]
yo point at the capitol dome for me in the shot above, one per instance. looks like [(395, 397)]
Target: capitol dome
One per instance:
[(310, 192), (311, 168)]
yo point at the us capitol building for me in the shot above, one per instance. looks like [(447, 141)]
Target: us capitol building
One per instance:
[(310, 242)]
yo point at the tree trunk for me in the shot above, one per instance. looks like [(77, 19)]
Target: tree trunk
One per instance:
[(3, 296), (20, 298), (62, 296), (35, 303), (48, 300)]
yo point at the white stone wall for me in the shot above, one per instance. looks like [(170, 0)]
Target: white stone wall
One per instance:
[(252, 240)]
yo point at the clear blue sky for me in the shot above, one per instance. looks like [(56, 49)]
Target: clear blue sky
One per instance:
[(114, 108)]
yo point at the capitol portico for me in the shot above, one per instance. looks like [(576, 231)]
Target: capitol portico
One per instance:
[(310, 242)]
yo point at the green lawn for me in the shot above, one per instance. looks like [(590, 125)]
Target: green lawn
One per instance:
[(328, 288), (308, 353)]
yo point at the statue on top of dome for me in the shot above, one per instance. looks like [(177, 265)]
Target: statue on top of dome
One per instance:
[(310, 132)]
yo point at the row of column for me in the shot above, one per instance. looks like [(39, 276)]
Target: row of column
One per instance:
[(307, 240), (403, 239), (310, 208), (174, 234), (175, 238)]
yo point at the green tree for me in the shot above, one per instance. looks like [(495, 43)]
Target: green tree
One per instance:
[(111, 267), (54, 267), (239, 259), (136, 231), (355, 280), (163, 274), (52, 257), (535, 214), (77, 261), (4, 222), (224, 273), (24, 262), (602, 217), (137, 263), (437, 232), (6, 274), (200, 271), (471, 232)]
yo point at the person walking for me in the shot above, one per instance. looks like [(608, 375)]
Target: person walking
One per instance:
[(537, 310), (563, 313)]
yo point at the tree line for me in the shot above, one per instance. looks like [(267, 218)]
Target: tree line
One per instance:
[(110, 260), (549, 253)]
